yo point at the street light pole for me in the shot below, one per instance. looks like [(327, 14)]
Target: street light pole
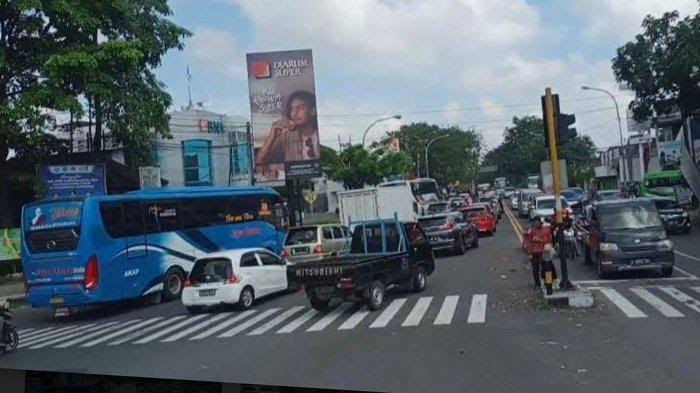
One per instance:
[(619, 127), (427, 167), (397, 117)]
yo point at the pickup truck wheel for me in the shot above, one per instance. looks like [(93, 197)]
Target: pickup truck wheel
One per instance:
[(667, 271), (375, 297), (320, 304), (420, 279)]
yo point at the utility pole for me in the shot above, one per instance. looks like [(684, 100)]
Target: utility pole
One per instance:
[(189, 88), (556, 181)]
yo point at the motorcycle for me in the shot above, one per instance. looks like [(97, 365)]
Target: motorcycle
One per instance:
[(9, 338)]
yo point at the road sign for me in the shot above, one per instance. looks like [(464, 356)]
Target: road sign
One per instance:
[(311, 197)]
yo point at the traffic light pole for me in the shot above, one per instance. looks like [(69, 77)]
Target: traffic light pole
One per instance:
[(556, 183)]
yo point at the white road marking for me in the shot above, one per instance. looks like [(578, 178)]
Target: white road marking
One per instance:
[(42, 332), (682, 297), (148, 329), (447, 311), (294, 325), (99, 332), (635, 280), (477, 312), (53, 334), (664, 308), (696, 259), (388, 314), (684, 272), (696, 289), (196, 327), (355, 319), (170, 329), (121, 332), (249, 323), (77, 333), (224, 325), (414, 318), (328, 318), (623, 304), (276, 321), (25, 331)]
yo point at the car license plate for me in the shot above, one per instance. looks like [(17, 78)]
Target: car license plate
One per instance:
[(300, 251), (325, 290), (207, 292), (57, 300), (639, 262), (433, 239)]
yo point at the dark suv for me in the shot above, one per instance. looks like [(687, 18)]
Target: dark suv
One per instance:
[(627, 234), (450, 231)]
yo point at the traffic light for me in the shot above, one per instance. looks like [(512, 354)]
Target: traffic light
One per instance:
[(562, 122), (564, 133)]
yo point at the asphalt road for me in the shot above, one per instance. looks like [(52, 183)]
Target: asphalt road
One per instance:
[(477, 327)]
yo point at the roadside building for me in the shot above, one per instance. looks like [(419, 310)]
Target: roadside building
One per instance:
[(205, 149)]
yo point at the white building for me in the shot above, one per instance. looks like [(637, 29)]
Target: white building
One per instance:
[(206, 149)]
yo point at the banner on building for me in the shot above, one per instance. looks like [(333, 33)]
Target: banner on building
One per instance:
[(670, 154), (283, 115), (63, 181), (9, 244)]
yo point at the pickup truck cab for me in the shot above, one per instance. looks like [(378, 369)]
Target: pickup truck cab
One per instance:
[(383, 254)]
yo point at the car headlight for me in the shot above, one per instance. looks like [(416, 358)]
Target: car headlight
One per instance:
[(607, 247), (665, 245)]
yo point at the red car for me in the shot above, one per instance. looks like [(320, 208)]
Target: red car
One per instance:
[(482, 216)]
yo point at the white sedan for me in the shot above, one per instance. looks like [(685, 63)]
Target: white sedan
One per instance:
[(234, 277)]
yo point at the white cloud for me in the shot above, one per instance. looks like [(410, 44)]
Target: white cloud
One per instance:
[(217, 51), (622, 19)]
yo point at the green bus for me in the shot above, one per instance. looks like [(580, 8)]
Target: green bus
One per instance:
[(669, 184)]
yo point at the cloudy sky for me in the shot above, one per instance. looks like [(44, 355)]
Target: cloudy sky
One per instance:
[(465, 62)]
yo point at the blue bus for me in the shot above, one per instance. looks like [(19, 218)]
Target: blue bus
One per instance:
[(115, 247)]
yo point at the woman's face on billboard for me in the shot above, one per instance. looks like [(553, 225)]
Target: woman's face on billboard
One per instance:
[(300, 112)]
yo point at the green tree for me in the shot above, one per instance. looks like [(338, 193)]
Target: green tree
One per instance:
[(662, 66), (453, 158), (356, 167), (522, 150), (79, 57)]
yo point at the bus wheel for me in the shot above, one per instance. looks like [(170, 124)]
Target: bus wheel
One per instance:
[(172, 284)]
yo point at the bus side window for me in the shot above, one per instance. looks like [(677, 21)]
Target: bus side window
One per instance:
[(133, 219), (111, 213)]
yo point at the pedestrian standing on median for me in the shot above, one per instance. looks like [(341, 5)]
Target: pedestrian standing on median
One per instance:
[(538, 237)]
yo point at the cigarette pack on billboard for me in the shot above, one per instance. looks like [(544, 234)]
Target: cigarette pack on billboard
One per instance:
[(283, 116)]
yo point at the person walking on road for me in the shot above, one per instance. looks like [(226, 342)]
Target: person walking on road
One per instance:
[(538, 238)]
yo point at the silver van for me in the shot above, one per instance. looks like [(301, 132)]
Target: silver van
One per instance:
[(313, 242)]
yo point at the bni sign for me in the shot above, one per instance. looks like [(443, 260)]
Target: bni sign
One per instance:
[(213, 127)]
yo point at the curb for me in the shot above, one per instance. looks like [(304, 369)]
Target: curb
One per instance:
[(579, 298)]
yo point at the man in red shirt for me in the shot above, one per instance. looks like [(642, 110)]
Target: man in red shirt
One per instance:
[(538, 237)]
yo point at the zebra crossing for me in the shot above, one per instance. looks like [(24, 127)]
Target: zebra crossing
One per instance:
[(668, 301), (399, 313)]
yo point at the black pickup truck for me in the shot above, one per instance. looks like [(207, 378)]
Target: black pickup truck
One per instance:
[(383, 254)]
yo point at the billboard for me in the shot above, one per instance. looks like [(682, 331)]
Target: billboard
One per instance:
[(9, 244), (73, 180), (283, 116), (669, 154)]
